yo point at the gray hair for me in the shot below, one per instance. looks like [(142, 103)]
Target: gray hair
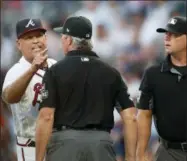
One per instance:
[(81, 43)]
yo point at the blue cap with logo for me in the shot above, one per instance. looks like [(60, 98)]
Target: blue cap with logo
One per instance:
[(27, 25)]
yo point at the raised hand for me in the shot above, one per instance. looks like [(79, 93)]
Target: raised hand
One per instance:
[(39, 60)]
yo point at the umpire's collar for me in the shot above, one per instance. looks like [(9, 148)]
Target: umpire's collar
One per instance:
[(81, 53), (166, 65)]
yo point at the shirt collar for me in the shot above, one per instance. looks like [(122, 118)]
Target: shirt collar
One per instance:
[(24, 62), (166, 65), (81, 53), (28, 64)]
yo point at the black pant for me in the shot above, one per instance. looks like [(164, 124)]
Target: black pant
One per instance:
[(167, 154), (79, 145)]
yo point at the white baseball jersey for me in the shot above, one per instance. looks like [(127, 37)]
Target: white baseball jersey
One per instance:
[(25, 112)]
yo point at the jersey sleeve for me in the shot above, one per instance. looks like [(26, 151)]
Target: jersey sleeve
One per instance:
[(146, 91), (12, 75), (49, 90), (122, 96)]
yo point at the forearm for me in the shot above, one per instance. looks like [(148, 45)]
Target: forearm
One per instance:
[(130, 132), (144, 133), (43, 133), (14, 92), (130, 138)]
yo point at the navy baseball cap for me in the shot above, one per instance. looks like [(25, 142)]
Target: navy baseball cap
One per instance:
[(77, 26), (176, 25), (27, 25)]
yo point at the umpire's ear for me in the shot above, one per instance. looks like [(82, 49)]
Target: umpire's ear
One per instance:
[(69, 40)]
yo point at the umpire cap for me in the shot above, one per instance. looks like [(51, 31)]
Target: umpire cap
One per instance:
[(27, 25), (176, 25), (77, 26)]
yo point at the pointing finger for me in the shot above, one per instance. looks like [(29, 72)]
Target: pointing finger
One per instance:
[(45, 57), (44, 51)]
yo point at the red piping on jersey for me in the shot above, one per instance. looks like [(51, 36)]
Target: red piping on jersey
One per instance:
[(39, 75), (23, 156), (26, 144)]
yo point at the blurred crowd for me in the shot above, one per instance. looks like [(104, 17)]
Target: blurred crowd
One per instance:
[(124, 35)]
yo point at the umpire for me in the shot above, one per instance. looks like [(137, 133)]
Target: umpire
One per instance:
[(79, 95), (164, 95)]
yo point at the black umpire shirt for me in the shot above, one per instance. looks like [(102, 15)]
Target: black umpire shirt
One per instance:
[(84, 90), (164, 91)]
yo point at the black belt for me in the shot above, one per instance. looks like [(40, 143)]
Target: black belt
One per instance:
[(175, 145), (92, 127)]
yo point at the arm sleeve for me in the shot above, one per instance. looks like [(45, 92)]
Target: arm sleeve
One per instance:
[(123, 97), (12, 75), (145, 92), (48, 91)]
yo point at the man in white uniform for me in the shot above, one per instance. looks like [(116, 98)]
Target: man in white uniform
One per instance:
[(23, 84)]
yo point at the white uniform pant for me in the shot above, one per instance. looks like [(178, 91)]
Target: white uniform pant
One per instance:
[(24, 152)]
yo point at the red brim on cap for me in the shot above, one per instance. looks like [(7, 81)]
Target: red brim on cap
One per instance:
[(30, 30)]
